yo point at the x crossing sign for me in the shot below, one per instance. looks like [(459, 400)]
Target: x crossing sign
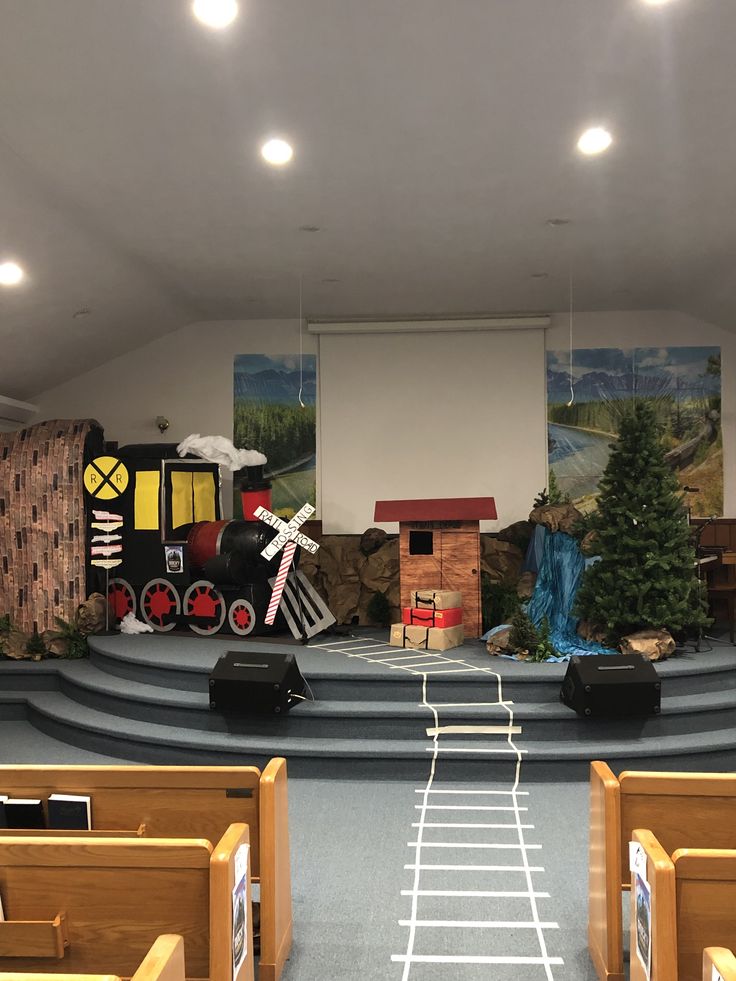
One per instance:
[(106, 477), (287, 538)]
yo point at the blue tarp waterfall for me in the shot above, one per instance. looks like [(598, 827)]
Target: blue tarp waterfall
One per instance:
[(558, 579)]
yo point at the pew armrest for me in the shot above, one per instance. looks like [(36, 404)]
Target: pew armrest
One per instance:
[(662, 911), (229, 861), (164, 961), (605, 929), (34, 938), (276, 913), (722, 960)]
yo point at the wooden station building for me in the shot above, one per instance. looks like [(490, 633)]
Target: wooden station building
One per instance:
[(439, 547)]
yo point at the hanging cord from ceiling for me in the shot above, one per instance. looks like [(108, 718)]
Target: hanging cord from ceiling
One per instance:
[(572, 389), (301, 342)]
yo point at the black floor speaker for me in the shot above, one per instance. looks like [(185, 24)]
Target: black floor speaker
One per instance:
[(611, 685), (256, 682)]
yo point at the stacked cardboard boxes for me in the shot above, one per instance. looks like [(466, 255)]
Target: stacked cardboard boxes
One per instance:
[(433, 622)]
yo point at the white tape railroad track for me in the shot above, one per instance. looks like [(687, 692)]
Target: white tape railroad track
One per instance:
[(500, 806)]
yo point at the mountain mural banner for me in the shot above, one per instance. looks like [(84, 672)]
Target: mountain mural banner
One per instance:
[(275, 406), (585, 404)]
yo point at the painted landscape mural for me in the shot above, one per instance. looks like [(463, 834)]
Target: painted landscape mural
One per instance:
[(268, 416), (682, 383)]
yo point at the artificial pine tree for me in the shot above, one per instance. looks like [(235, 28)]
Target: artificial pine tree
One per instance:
[(645, 576)]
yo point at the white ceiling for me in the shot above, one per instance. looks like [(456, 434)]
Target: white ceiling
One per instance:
[(433, 139)]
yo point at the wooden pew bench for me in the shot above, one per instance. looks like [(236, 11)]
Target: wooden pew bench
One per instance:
[(693, 810), (85, 905), (163, 962), (692, 903), (190, 801), (719, 964)]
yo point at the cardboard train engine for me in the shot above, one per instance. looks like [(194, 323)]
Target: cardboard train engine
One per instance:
[(161, 549)]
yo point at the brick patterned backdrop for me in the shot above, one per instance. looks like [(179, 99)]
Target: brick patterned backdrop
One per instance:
[(42, 521)]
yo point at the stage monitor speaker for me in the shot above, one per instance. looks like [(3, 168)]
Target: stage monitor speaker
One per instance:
[(256, 682), (611, 685)]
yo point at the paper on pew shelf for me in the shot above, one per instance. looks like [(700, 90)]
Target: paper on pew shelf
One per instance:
[(716, 975), (637, 859), (240, 908)]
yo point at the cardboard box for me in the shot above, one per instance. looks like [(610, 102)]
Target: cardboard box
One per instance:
[(432, 618), (426, 638), (436, 599)]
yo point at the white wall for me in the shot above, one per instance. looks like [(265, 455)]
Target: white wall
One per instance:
[(187, 376), (661, 328)]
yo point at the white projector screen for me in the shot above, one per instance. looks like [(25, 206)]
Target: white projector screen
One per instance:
[(430, 414)]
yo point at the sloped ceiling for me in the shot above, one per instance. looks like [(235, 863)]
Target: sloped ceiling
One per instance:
[(433, 140)]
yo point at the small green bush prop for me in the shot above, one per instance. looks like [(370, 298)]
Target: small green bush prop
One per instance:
[(35, 646), (77, 643), (499, 601), (544, 649)]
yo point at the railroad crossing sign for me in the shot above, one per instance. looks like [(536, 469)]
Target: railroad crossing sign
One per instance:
[(106, 477), (288, 538)]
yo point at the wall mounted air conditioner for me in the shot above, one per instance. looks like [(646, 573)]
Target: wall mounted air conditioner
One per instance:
[(15, 414)]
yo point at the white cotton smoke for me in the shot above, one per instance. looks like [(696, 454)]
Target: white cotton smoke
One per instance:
[(220, 450), (129, 625)]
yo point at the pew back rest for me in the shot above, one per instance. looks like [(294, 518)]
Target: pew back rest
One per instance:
[(118, 896), (706, 898), (718, 963), (683, 810), (171, 801)]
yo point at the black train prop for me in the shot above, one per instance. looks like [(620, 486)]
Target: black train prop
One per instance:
[(159, 544)]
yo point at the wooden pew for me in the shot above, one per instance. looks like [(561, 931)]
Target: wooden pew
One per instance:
[(693, 897), (83, 905), (190, 801), (719, 964), (693, 810), (163, 962)]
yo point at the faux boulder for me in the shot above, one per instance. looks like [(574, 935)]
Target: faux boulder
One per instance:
[(92, 615), (654, 645), (525, 585), (556, 517), (498, 643)]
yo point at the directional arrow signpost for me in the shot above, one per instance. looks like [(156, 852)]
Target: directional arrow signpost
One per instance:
[(288, 538)]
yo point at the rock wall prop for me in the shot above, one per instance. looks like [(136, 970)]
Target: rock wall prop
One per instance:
[(346, 578), (502, 560)]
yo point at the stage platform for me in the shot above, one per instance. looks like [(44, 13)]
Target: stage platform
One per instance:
[(376, 710)]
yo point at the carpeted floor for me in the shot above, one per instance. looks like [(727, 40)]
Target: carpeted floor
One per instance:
[(350, 845)]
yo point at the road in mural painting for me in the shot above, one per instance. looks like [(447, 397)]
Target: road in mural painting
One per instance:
[(682, 383), (275, 412)]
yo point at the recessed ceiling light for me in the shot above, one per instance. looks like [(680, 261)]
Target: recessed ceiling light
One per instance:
[(10, 274), (277, 152), (309, 228), (656, 3), (540, 275), (557, 222), (329, 279), (595, 140), (215, 13)]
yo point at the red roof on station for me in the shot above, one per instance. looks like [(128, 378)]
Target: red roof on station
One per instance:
[(437, 509)]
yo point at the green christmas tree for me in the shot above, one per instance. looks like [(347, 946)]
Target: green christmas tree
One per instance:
[(523, 636), (645, 577)]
